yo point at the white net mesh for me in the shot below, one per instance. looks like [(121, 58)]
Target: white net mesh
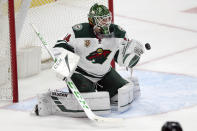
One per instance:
[(53, 18), (5, 84)]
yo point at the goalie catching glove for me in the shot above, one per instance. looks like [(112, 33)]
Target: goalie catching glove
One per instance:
[(129, 53)]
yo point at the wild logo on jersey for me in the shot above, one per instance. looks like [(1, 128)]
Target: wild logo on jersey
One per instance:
[(99, 56)]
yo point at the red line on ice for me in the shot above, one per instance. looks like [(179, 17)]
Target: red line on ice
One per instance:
[(168, 55), (192, 10), (157, 23)]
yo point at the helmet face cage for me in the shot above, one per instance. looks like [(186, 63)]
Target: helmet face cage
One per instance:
[(103, 21), (100, 16)]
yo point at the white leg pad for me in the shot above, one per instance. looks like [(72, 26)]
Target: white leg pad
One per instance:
[(63, 103), (125, 97), (44, 104)]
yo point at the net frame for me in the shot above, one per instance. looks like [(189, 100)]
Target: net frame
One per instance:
[(13, 55)]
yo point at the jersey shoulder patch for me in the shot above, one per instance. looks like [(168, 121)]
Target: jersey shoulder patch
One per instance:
[(78, 27), (83, 30), (119, 32)]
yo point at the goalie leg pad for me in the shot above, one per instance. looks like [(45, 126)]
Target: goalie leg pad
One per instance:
[(64, 103), (44, 106), (124, 98), (68, 105)]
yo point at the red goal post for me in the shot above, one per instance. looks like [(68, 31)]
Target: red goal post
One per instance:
[(13, 56)]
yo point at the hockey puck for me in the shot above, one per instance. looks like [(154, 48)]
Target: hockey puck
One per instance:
[(147, 45), (171, 126)]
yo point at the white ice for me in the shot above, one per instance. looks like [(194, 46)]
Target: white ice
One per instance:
[(167, 74)]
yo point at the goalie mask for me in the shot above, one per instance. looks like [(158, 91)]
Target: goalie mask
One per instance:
[(100, 18)]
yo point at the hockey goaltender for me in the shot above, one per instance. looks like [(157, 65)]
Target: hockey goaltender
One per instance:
[(97, 43)]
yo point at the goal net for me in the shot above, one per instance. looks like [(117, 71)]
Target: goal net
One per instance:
[(53, 18)]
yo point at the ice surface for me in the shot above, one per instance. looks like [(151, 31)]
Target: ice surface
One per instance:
[(167, 74)]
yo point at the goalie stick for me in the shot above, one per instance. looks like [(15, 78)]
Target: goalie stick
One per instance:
[(73, 88)]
